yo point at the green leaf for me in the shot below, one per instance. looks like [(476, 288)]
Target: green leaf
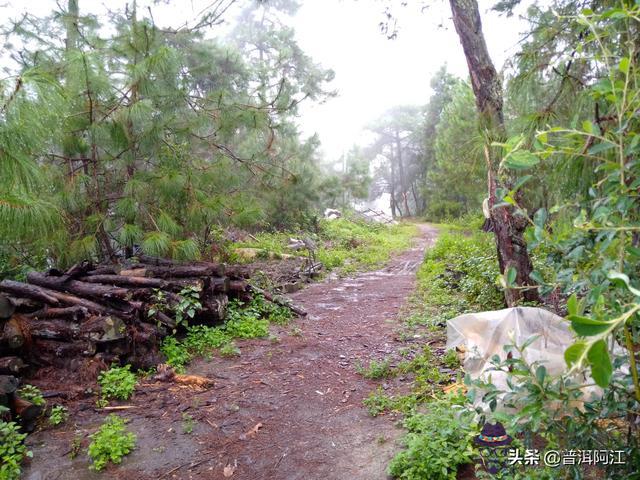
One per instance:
[(521, 181), (601, 368), (617, 276), (536, 276), (541, 373), (572, 305), (588, 327), (623, 66), (540, 217), (510, 276), (587, 126), (529, 341), (520, 160), (573, 354), (601, 147)]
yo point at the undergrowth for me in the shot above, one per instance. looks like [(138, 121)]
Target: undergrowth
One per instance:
[(437, 442), (117, 382), (12, 450), (110, 443), (342, 244), (458, 275), (250, 320)]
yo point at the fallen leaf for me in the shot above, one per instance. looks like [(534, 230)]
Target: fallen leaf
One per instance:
[(455, 387), (229, 470), (251, 432)]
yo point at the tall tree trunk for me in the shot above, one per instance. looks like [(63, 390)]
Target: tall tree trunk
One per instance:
[(509, 229), (392, 185), (402, 179)]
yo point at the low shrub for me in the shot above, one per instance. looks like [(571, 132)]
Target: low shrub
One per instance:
[(438, 442), (117, 382), (110, 443), (12, 450)]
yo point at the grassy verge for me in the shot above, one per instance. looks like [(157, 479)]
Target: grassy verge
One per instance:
[(458, 275), (342, 244)]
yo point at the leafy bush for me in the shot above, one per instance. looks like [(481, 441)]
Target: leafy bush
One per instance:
[(249, 320), (110, 443), (32, 394), (438, 442), (175, 352), (12, 450), (117, 382), (184, 310), (58, 415)]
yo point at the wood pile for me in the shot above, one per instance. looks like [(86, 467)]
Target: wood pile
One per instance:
[(103, 314)]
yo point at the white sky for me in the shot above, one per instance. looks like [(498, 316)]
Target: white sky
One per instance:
[(372, 73)]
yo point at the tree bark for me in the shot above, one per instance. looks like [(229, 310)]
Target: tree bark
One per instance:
[(75, 287), (25, 290), (11, 365), (75, 313), (487, 87)]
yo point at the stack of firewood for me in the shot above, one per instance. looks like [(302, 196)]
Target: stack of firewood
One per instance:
[(105, 314)]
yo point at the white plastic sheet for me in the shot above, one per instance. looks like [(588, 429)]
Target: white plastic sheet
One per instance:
[(484, 334)]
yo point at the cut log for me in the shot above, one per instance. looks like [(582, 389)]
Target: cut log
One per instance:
[(146, 334), (59, 354), (27, 412), (238, 272), (53, 329), (219, 284), (8, 384), (124, 280), (26, 290), (177, 271), (11, 365), (105, 270), (215, 309), (279, 300), (6, 307), (238, 286), (75, 287), (79, 269), (161, 318), (12, 334), (103, 329), (156, 260), (75, 313), (64, 298)]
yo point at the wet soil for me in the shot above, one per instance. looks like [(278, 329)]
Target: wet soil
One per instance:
[(290, 407)]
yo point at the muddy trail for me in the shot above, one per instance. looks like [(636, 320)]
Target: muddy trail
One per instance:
[(289, 407)]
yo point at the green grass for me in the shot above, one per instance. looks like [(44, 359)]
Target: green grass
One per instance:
[(354, 246), (346, 245), (376, 369), (243, 321), (458, 275)]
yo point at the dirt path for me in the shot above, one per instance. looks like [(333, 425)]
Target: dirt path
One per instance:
[(288, 408)]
